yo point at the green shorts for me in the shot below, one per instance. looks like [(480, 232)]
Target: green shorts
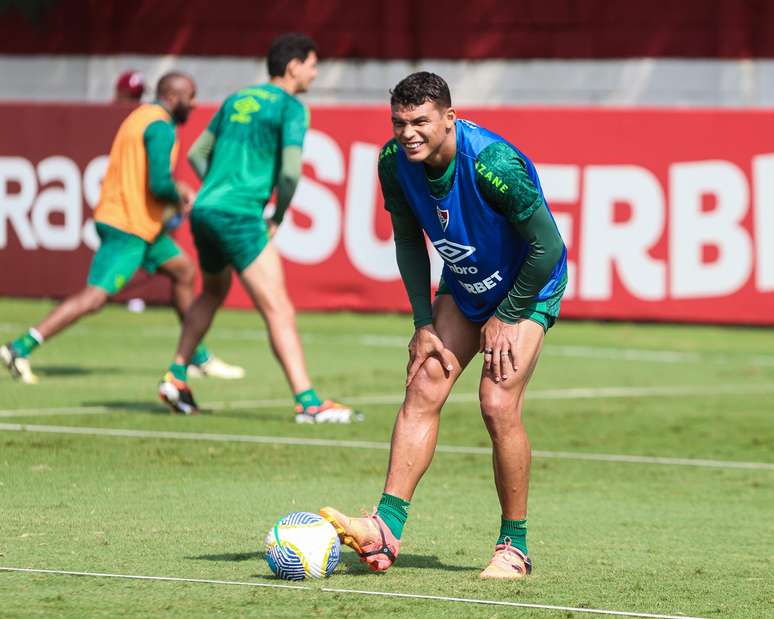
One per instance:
[(544, 313), (120, 254), (223, 238)]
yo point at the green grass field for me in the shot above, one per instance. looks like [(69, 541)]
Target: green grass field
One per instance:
[(689, 535)]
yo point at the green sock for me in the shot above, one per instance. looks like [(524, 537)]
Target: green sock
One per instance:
[(516, 530), (201, 355), (394, 511), (308, 398), (179, 371), (26, 343)]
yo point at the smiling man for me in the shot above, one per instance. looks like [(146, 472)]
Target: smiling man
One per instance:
[(479, 200)]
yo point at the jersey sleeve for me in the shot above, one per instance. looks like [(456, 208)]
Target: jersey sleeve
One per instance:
[(394, 198), (410, 247), (215, 121), (504, 182), (295, 122), (159, 138)]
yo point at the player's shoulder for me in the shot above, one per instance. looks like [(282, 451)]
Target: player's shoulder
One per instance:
[(389, 151)]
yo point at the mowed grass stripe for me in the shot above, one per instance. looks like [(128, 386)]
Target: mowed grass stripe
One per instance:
[(395, 594), (321, 442)]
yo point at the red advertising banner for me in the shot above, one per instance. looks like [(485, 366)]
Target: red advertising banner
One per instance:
[(667, 214)]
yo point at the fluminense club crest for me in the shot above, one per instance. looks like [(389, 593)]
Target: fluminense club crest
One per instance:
[(443, 217)]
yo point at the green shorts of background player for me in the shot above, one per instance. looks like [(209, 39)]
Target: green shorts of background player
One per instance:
[(118, 258)]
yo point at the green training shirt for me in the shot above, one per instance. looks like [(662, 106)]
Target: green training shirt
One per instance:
[(522, 204), (159, 139), (251, 129)]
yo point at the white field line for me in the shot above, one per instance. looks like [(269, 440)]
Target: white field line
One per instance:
[(575, 393), (401, 341), (412, 596), (322, 442)]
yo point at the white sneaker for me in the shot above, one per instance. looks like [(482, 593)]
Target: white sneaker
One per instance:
[(19, 367), (216, 368)]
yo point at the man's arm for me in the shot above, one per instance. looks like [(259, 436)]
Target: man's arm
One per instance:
[(159, 138), (295, 123), (523, 205), (287, 181), (200, 152), (410, 247)]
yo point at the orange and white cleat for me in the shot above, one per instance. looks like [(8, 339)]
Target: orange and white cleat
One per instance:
[(369, 537), (508, 563), (328, 412)]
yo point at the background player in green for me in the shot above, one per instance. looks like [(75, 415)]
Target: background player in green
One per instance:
[(252, 144), (137, 185), (500, 293)]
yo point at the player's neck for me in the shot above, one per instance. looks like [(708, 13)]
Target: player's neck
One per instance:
[(288, 84), (442, 157)]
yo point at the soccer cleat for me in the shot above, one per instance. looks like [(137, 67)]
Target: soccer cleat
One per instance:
[(19, 367), (327, 412), (369, 537), (216, 368), (177, 395), (508, 563)]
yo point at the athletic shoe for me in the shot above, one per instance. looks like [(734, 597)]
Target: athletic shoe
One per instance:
[(177, 395), (19, 367), (369, 537), (216, 368), (508, 563), (327, 412)]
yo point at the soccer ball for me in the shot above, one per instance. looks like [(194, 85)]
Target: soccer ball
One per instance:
[(302, 545)]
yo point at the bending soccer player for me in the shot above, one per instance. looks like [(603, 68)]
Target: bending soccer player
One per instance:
[(137, 186), (253, 142), (479, 200)]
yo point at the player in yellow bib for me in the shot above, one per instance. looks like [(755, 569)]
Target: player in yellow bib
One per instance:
[(252, 145), (137, 188)]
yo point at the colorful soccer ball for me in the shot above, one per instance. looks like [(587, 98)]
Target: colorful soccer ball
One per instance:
[(302, 545)]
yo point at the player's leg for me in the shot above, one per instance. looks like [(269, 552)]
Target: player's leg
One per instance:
[(501, 407), (260, 271), (264, 282), (216, 281), (377, 538), (115, 263), (166, 256)]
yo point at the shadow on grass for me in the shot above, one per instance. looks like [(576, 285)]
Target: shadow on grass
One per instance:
[(73, 370), (350, 562), (231, 556), (154, 408), (134, 406)]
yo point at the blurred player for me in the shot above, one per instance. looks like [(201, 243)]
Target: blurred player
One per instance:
[(479, 200), (137, 187), (253, 143), (130, 87)]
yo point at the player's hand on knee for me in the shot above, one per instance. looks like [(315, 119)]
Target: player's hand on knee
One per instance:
[(424, 344), (498, 343)]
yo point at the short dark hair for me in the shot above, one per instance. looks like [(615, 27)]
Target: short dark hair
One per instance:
[(417, 88), (285, 48), (166, 83)]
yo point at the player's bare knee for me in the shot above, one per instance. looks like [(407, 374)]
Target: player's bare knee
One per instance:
[(499, 407), (92, 300)]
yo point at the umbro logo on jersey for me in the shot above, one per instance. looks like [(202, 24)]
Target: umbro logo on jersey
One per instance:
[(453, 252), (443, 217)]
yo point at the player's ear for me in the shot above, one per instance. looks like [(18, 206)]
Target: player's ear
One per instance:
[(450, 116), (292, 66)]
